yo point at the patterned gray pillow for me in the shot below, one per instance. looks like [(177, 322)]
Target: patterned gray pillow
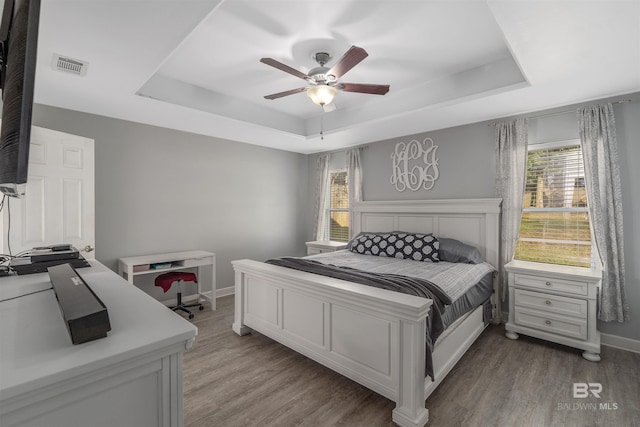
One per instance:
[(397, 244)]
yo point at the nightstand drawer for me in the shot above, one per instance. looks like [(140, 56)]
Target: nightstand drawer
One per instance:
[(314, 251), (551, 303), (573, 287), (552, 323)]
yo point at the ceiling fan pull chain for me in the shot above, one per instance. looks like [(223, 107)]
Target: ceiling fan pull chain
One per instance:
[(321, 127)]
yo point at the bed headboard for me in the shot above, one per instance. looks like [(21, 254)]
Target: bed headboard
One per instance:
[(475, 222)]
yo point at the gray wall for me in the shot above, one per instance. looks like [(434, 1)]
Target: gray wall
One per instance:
[(628, 134), (467, 170), (159, 190), (465, 160)]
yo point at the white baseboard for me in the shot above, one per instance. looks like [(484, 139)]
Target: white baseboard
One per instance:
[(620, 342), (605, 339), (223, 292), (220, 292)]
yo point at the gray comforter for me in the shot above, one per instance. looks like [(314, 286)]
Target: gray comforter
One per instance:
[(452, 279)]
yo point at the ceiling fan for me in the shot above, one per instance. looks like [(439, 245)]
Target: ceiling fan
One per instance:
[(323, 81)]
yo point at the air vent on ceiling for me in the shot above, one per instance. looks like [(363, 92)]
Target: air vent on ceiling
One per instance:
[(70, 65)]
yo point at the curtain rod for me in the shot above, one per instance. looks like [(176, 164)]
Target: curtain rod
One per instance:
[(341, 150), (558, 113)]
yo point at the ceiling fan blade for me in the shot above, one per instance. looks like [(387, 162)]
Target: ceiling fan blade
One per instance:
[(364, 88), (280, 66), (349, 60), (329, 107), (286, 93)]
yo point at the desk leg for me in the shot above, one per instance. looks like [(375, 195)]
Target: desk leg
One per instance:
[(212, 270), (213, 284)]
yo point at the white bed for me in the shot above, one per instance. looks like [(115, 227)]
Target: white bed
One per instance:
[(325, 319)]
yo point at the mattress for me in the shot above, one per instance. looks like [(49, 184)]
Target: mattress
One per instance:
[(473, 293)]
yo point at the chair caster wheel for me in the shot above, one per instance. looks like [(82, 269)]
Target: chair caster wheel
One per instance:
[(201, 308), (191, 316)]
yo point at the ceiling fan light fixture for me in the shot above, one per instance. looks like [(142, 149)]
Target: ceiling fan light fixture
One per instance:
[(322, 94), (323, 82)]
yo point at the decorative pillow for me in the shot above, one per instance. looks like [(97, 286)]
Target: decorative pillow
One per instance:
[(361, 235), (371, 233), (452, 250), (397, 244)]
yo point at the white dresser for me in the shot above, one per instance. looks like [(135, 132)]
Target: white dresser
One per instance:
[(132, 377), (555, 303), (322, 246)]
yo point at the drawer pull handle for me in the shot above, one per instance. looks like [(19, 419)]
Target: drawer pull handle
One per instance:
[(548, 283), (547, 302), (548, 322)]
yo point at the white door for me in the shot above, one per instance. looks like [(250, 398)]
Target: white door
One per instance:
[(58, 206)]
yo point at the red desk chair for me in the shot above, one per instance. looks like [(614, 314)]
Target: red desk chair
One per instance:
[(166, 280)]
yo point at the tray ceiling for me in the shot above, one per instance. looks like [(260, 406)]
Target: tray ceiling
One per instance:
[(194, 65)]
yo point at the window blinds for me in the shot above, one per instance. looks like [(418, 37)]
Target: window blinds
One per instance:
[(339, 207), (555, 219)]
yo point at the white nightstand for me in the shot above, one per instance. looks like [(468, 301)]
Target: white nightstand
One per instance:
[(321, 246), (556, 303)]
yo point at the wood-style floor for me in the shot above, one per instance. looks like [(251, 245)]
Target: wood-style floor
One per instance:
[(253, 381)]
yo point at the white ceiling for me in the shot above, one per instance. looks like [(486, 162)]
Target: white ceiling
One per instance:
[(193, 65)]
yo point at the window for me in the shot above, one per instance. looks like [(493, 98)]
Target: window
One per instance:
[(555, 219), (338, 212)]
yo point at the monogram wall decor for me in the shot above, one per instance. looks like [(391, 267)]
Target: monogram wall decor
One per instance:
[(415, 165)]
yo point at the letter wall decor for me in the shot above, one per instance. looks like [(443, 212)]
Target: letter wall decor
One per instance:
[(415, 165)]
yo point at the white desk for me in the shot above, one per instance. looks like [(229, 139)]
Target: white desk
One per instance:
[(176, 261), (132, 377)]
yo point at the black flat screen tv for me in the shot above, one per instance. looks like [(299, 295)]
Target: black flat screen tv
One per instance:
[(18, 54)]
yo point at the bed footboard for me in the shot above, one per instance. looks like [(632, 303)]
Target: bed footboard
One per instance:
[(372, 336)]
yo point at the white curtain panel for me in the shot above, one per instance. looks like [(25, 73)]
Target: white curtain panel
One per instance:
[(604, 196), (511, 163), (354, 175), (322, 181)]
